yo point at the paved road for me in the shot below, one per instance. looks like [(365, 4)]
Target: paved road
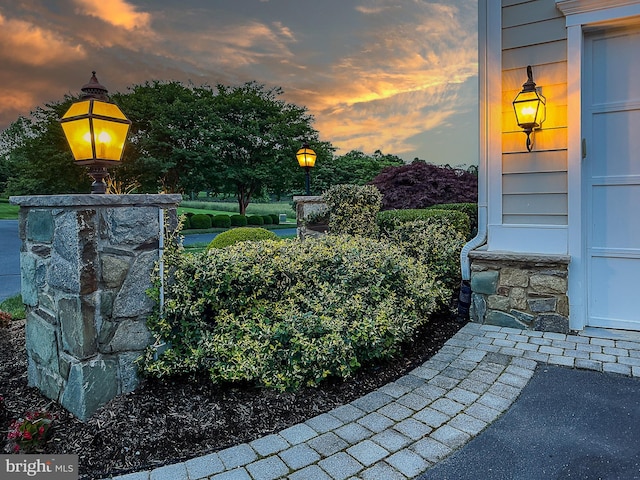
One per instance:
[(9, 259)]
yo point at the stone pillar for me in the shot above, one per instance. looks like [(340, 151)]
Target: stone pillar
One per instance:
[(311, 216), (86, 263), (518, 290)]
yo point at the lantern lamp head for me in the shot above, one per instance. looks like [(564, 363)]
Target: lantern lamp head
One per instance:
[(306, 156), (530, 107), (96, 130)]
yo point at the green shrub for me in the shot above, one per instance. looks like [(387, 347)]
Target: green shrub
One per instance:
[(389, 220), (200, 221), (221, 221), (255, 220), (275, 219), (241, 234), (435, 245), (287, 314), (267, 220), (186, 223), (471, 209), (238, 220), (353, 209)]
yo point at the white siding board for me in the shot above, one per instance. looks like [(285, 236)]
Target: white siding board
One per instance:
[(535, 219), (551, 52), (545, 139), (534, 33), (535, 204), (530, 12), (545, 76), (530, 183), (550, 161)]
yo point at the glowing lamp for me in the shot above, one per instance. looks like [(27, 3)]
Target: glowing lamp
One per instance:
[(96, 130), (530, 108), (306, 159)]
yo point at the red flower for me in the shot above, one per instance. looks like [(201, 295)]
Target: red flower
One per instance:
[(27, 435)]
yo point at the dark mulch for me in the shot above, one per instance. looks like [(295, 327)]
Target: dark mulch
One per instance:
[(163, 423)]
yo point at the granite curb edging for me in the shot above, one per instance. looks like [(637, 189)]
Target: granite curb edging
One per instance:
[(403, 428)]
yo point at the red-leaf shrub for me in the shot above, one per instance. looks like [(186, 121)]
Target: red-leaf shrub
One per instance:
[(421, 185)]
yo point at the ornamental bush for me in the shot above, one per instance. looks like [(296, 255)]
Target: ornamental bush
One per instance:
[(241, 234), (221, 221), (267, 220), (287, 314), (238, 220), (353, 209), (275, 218), (200, 221), (389, 220), (471, 209), (436, 245)]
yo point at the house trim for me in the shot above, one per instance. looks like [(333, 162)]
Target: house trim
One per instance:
[(580, 15)]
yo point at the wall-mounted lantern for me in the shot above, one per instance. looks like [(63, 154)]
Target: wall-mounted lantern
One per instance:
[(306, 159), (530, 107), (96, 130)]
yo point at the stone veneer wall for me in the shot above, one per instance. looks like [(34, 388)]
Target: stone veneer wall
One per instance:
[(308, 207), (86, 262), (522, 291)]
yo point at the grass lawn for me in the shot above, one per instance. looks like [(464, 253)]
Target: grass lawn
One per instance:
[(14, 306), (8, 212)]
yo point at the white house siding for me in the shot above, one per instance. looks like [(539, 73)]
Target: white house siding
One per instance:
[(534, 184)]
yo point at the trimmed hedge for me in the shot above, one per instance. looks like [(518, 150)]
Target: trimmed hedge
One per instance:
[(288, 314), (238, 220), (275, 219), (200, 221), (221, 221), (255, 220), (241, 234), (389, 220), (471, 209), (267, 219)]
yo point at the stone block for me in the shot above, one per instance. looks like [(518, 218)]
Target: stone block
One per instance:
[(503, 319), (77, 323), (478, 308), (128, 371), (551, 322), (548, 284), (514, 277), (114, 270), (41, 342), (65, 242), (129, 335), (63, 275), (91, 384), (132, 300), (523, 317), (542, 305), (29, 287), (485, 282), (498, 302), (518, 298), (40, 226), (131, 225)]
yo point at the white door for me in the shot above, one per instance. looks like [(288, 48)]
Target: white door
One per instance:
[(611, 106)]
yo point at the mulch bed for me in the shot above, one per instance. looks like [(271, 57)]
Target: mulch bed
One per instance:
[(163, 423)]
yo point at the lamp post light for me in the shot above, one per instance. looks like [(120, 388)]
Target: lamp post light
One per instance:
[(530, 107), (96, 130), (307, 159)]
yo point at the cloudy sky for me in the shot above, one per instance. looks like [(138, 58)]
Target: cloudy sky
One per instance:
[(394, 75)]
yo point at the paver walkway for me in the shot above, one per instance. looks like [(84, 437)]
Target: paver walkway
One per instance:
[(403, 428)]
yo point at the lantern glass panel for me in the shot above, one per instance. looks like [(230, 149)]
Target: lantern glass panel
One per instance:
[(109, 139), (78, 133), (306, 157), (76, 109), (107, 110)]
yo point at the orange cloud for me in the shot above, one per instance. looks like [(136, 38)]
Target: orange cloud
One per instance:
[(25, 43), (115, 12)]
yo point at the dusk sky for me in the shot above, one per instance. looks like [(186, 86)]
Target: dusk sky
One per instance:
[(395, 75)]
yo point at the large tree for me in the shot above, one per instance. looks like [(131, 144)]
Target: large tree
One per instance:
[(256, 140)]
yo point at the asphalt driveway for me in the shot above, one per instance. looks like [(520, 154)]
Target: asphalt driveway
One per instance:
[(566, 424), (9, 259)]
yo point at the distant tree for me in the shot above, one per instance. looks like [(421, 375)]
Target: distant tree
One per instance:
[(35, 156), (421, 185), (354, 167), (256, 140)]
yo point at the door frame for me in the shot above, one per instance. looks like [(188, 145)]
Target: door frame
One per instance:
[(579, 15)]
